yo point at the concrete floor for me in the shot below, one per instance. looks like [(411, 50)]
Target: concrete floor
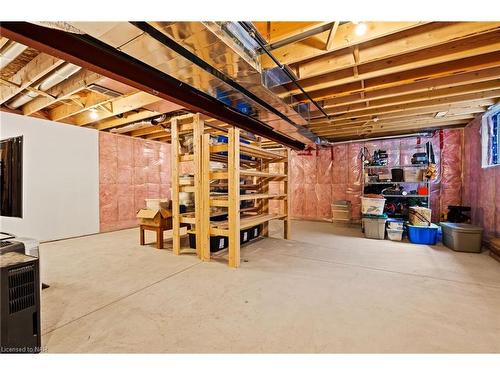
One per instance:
[(328, 290)]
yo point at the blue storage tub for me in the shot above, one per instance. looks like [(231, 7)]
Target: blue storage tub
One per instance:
[(224, 139), (423, 235)]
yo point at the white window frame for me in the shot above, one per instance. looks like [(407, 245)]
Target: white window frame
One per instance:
[(486, 137)]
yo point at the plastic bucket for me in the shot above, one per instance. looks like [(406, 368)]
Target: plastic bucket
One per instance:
[(395, 234)]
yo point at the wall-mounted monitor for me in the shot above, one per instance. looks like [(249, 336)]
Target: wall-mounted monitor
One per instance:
[(11, 177)]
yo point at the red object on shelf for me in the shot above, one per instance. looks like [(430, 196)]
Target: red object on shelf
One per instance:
[(422, 190)]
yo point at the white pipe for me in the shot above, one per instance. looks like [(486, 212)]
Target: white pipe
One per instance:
[(133, 126), (378, 138), (10, 53), (66, 71)]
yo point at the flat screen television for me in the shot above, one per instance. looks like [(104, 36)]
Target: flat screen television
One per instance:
[(11, 177)]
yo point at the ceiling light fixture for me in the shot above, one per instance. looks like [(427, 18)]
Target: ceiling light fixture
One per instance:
[(93, 114), (360, 28)]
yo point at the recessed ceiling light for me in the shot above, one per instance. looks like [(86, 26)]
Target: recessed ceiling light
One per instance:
[(93, 114), (360, 28), (441, 114)]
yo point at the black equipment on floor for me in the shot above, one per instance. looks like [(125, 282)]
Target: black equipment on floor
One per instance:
[(19, 302), (456, 214)]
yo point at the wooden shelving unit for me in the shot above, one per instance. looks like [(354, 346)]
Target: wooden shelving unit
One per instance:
[(245, 178)]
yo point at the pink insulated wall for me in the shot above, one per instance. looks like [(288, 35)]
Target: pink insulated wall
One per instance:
[(481, 185), (335, 173), (130, 170)]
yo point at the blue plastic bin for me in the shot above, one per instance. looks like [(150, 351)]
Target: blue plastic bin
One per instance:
[(423, 235), (224, 139)]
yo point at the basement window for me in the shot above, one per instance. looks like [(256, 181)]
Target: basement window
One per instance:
[(490, 139)]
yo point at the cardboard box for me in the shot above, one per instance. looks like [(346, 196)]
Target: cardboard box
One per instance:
[(419, 216), (341, 211), (155, 218), (156, 204)]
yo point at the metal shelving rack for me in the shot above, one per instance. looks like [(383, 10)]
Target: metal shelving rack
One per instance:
[(426, 198)]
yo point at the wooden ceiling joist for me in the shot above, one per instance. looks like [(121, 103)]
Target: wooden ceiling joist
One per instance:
[(353, 97), (458, 108), (402, 123), (37, 68), (61, 91), (465, 65), (344, 37), (409, 41), (87, 101), (279, 31), (465, 98), (444, 59), (120, 105), (370, 133), (3, 41), (412, 98), (407, 127)]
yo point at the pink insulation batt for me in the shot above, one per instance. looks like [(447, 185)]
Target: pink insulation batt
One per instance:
[(481, 188), (130, 170)]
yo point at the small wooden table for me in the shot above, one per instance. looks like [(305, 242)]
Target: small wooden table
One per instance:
[(159, 234)]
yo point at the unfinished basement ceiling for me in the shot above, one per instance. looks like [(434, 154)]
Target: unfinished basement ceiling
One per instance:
[(396, 78), (40, 85)]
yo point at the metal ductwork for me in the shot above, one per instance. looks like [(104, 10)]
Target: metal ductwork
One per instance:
[(122, 52), (10, 53), (211, 57), (64, 72)]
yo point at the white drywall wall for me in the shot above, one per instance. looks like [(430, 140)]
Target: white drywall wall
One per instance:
[(60, 179)]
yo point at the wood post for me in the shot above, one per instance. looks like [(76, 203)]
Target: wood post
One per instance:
[(205, 199), (198, 202), (176, 224), (287, 224), (234, 196)]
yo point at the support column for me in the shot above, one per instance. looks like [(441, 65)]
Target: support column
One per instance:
[(234, 196)]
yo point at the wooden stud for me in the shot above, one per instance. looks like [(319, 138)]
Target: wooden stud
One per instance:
[(287, 226), (205, 197), (331, 36), (264, 208), (198, 183), (234, 196), (176, 224)]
